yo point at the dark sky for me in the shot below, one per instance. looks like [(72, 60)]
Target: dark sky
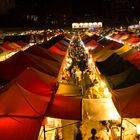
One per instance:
[(76, 6), (97, 9)]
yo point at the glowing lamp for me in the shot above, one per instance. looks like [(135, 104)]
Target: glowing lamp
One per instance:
[(138, 129)]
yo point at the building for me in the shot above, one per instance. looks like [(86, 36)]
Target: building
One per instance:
[(6, 5), (125, 11)]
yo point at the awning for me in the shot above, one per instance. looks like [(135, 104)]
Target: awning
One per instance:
[(127, 102), (99, 109)]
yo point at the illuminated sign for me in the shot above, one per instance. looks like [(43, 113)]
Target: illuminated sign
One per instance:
[(87, 25)]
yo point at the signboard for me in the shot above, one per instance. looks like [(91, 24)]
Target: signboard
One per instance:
[(87, 25)]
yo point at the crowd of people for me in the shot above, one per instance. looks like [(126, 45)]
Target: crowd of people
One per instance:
[(78, 68), (108, 130)]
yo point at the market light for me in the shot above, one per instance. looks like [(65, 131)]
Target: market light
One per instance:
[(68, 65), (102, 84), (49, 119), (95, 24), (100, 24), (90, 61), (115, 115), (107, 93), (138, 129)]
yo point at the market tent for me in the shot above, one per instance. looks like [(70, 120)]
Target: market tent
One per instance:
[(85, 38), (134, 59), (126, 54), (8, 68), (16, 64), (96, 37), (96, 49), (102, 55), (6, 46), (1, 50), (134, 39), (65, 41), (49, 79), (100, 38), (52, 41), (127, 102), (113, 65), (21, 43), (33, 105), (17, 102), (39, 51), (92, 44), (68, 36), (57, 57), (127, 78), (65, 107), (123, 49), (68, 89), (24, 38), (48, 66), (16, 45), (104, 41), (60, 46), (22, 112), (113, 45), (134, 56), (16, 128), (31, 81), (117, 36), (56, 50), (125, 37), (99, 109)]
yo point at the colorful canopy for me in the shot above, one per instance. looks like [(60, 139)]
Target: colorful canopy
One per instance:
[(31, 81), (94, 112), (127, 78), (13, 66), (113, 65), (16, 128), (56, 50), (127, 102)]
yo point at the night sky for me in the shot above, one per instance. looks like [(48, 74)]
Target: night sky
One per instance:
[(75, 8), (97, 7)]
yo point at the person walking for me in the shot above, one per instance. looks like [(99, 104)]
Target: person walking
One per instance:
[(78, 133), (93, 133), (104, 132)]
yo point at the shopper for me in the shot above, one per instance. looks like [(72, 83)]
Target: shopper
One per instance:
[(93, 133)]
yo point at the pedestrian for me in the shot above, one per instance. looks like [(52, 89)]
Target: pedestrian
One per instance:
[(78, 133), (93, 133), (104, 132)]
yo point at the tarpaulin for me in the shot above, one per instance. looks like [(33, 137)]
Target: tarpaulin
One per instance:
[(127, 102)]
